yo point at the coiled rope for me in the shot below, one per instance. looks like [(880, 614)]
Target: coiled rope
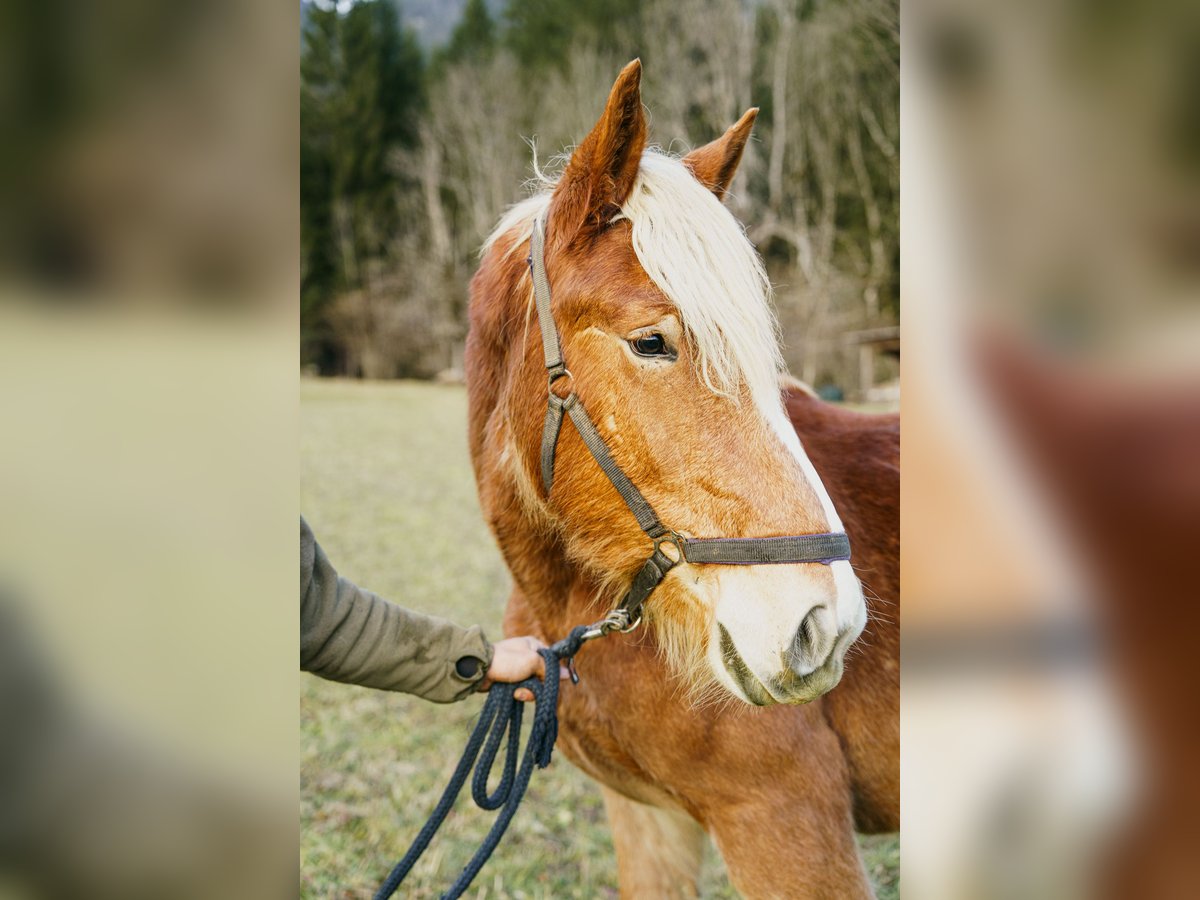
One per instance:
[(501, 714)]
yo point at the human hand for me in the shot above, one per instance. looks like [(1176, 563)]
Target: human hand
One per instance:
[(515, 659)]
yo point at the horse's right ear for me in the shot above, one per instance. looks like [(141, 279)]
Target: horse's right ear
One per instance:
[(715, 164), (602, 170)]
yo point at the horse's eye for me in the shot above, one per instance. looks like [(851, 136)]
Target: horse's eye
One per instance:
[(650, 345)]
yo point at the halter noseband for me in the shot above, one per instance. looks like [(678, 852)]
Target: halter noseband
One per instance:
[(823, 548)]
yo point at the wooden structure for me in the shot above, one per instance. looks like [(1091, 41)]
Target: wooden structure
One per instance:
[(873, 343)]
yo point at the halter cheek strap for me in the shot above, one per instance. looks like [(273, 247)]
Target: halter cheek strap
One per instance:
[(825, 548)]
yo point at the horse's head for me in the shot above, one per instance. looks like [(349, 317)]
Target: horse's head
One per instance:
[(664, 314)]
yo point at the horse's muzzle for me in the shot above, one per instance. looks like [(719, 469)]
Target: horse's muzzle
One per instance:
[(790, 686)]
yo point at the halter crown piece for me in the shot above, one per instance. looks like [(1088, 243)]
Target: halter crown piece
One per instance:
[(825, 547)]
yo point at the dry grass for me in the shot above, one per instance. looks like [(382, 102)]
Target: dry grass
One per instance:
[(387, 487)]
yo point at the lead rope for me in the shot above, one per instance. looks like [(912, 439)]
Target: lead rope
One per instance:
[(501, 713)]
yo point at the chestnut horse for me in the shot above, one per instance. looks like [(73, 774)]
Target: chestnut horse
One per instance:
[(663, 309)]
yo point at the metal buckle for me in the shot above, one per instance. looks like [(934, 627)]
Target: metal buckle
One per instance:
[(618, 620), (615, 620), (595, 630), (676, 541)]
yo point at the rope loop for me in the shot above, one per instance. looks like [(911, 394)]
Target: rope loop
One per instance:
[(502, 714), (507, 717)]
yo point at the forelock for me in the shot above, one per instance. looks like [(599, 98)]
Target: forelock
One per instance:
[(698, 255)]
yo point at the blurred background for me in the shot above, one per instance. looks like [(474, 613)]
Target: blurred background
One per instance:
[(416, 126), (148, 424), (1051, 481)]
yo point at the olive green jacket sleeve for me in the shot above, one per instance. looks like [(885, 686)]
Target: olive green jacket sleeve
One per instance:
[(351, 635)]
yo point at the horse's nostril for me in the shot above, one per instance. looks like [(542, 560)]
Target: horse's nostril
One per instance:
[(812, 643)]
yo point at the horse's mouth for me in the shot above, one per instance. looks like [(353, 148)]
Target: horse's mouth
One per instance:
[(788, 688), (750, 687)]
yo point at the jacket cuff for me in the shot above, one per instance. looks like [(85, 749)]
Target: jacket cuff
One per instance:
[(469, 661)]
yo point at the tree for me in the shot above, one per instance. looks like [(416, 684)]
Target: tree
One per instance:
[(361, 98), (474, 38), (401, 183), (541, 33)]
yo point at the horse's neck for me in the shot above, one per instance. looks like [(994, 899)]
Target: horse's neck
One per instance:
[(565, 598), (552, 593)]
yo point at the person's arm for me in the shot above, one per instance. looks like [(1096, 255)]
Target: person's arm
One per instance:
[(350, 635)]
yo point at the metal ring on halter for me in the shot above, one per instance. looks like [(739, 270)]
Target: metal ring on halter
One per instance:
[(557, 374), (676, 541)]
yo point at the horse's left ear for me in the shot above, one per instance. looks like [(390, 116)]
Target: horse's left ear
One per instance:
[(602, 170), (715, 164)]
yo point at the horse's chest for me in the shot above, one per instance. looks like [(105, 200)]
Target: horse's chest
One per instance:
[(632, 742)]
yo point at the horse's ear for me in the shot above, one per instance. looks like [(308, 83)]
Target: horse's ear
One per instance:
[(600, 175), (715, 164)]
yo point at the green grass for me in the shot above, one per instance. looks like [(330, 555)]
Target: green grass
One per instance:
[(386, 485)]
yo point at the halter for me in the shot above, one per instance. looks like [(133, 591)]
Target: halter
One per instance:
[(825, 548)]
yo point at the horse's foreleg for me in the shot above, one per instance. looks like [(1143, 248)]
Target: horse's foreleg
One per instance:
[(791, 852), (659, 851)]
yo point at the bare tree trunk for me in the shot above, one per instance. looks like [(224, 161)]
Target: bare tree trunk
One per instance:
[(342, 218), (878, 254), (878, 137), (783, 53), (431, 187)]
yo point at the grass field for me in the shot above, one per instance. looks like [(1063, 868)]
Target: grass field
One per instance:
[(387, 487)]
